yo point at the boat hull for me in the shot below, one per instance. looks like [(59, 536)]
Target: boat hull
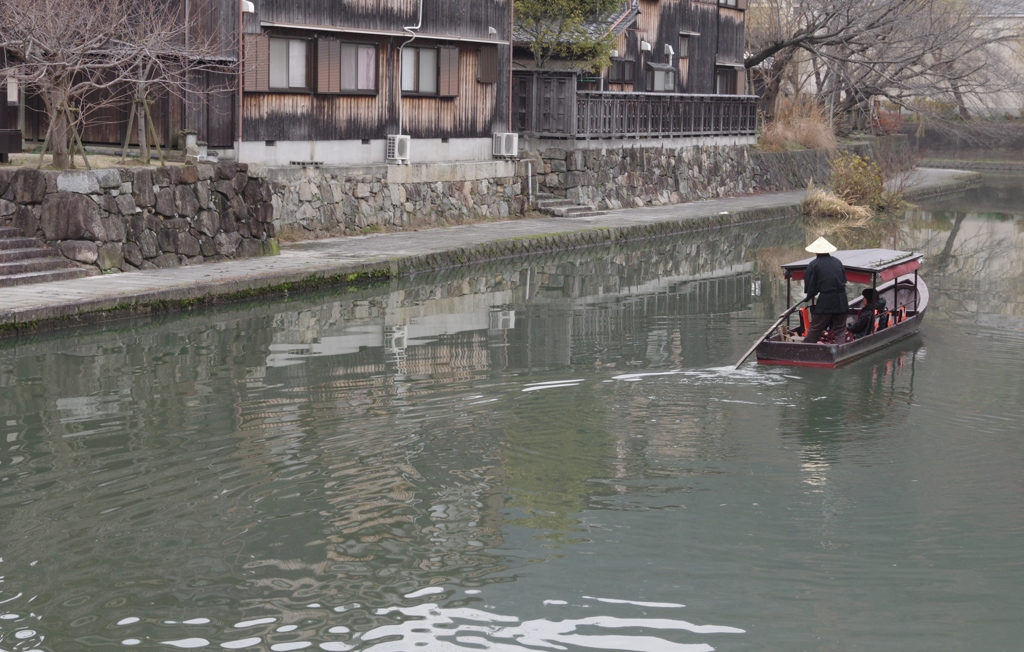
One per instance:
[(828, 356)]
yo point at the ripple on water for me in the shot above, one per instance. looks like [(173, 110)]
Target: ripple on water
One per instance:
[(433, 626)]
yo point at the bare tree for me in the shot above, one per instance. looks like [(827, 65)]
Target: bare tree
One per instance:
[(912, 52), (80, 56)]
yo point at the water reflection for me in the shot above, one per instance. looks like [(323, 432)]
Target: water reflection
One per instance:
[(975, 249), (465, 460)]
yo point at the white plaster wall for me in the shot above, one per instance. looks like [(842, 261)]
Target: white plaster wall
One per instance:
[(355, 152), (538, 145)]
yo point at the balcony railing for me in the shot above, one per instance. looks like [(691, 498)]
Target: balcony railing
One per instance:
[(548, 105), (659, 115)]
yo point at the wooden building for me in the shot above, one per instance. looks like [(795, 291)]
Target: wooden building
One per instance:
[(669, 46), (208, 106), (329, 82), (676, 72)]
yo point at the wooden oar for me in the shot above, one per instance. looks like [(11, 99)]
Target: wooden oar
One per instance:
[(769, 331)]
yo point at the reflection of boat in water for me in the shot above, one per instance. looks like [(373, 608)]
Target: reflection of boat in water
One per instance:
[(892, 273)]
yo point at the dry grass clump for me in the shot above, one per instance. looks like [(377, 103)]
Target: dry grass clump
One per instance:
[(798, 123), (826, 204)]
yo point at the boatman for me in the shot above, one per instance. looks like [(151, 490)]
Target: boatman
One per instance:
[(826, 280)]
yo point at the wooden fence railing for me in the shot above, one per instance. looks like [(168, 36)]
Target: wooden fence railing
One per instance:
[(658, 115), (548, 105)]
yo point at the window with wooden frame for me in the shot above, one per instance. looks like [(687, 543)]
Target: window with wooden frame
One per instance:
[(661, 78), (487, 64), (346, 67), (430, 71), (289, 64), (734, 4), (275, 64), (683, 52), (725, 81), (621, 71)]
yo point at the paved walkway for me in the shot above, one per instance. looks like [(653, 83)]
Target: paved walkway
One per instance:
[(335, 260)]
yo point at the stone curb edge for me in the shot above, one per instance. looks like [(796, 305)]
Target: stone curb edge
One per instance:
[(966, 181)]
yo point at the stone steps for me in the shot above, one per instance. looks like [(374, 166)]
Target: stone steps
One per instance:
[(12, 255), (18, 243), (26, 260), (64, 274), (556, 206)]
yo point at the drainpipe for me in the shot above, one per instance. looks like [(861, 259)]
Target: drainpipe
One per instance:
[(412, 29), (511, 56), (240, 78), (529, 181)]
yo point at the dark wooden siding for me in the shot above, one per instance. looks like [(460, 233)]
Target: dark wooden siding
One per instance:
[(216, 22), (209, 102), (475, 111), (703, 48), (212, 114), (730, 35), (719, 36), (440, 17)]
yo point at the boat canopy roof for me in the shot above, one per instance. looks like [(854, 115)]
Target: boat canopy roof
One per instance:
[(865, 265)]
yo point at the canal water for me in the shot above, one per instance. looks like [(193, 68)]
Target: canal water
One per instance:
[(550, 453)]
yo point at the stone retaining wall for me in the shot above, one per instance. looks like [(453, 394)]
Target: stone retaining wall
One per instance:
[(637, 175), (142, 218), (316, 202)]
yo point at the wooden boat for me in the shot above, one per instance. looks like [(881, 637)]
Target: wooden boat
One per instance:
[(893, 273)]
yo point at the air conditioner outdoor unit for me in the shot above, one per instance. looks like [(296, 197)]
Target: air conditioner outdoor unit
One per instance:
[(505, 145), (398, 149), (395, 339), (501, 320)]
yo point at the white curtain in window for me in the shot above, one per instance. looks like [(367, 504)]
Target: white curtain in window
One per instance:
[(297, 64), (408, 69), (278, 63), (428, 70), (367, 68), (348, 66)]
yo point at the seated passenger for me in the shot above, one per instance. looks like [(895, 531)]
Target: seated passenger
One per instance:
[(861, 326)]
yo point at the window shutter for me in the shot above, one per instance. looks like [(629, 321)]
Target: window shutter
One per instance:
[(256, 70), (487, 65), (448, 72), (328, 66)]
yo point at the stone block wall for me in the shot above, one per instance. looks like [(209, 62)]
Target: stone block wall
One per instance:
[(627, 177), (635, 175), (142, 218), (315, 202)]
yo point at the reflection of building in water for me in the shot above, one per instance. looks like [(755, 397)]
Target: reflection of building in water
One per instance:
[(522, 311), (293, 434), (382, 353)]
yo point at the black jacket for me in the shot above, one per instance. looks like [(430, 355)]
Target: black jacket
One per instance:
[(865, 317), (826, 279)]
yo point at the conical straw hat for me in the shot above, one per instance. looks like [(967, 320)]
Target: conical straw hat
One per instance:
[(821, 246)]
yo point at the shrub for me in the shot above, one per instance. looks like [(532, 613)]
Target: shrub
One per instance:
[(856, 180), (799, 122), (826, 204)]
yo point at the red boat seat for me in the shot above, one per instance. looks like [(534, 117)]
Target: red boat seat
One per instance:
[(805, 320)]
